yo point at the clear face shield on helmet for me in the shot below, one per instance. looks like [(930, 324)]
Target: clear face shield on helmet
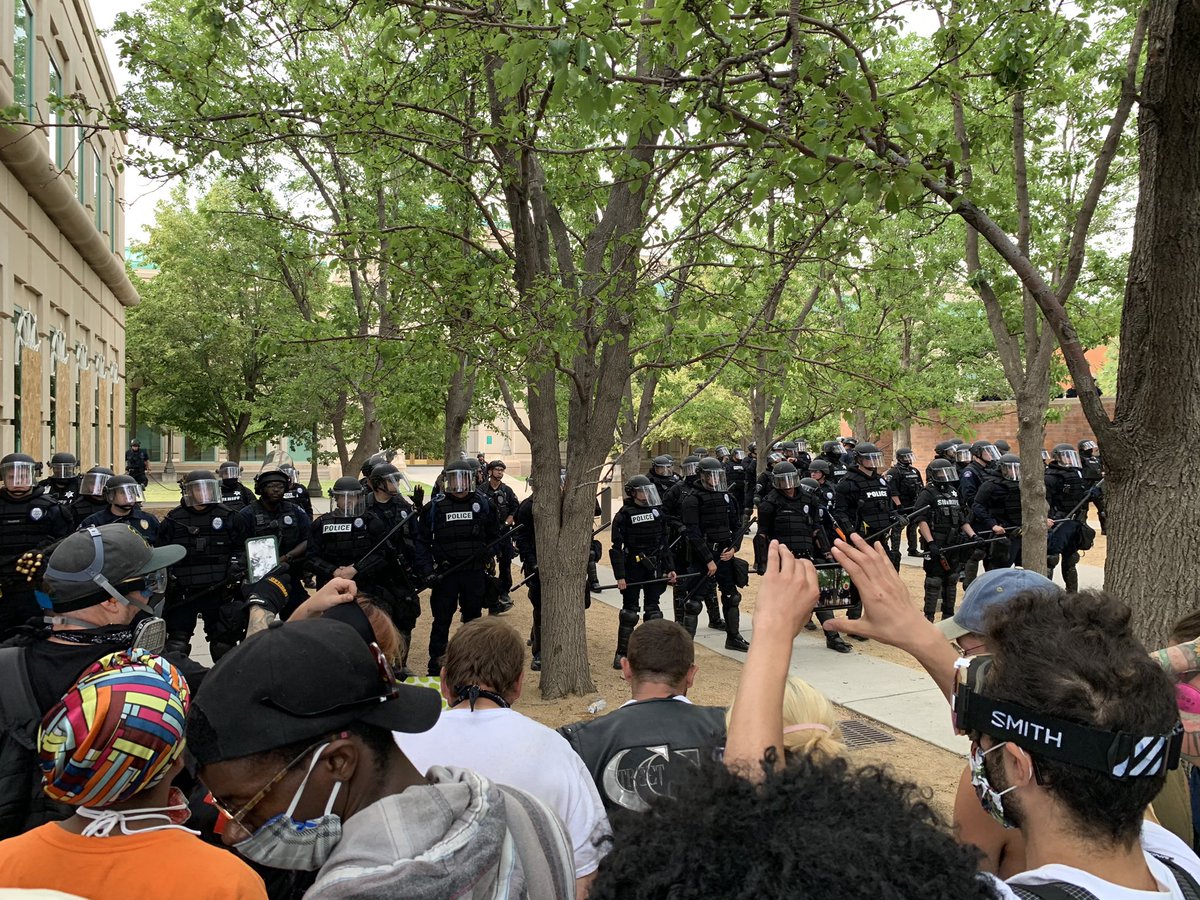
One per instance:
[(721, 452), (1087, 447), (394, 482), (714, 479), (690, 468), (943, 474), (290, 472), (801, 446), (459, 481), (63, 471), (1010, 471), (870, 460), (230, 472), (962, 454), (92, 484), (646, 495), (202, 493), (904, 458), (1067, 458), (989, 453), (663, 470), (347, 503), (125, 494), (786, 480), (19, 475), (739, 454)]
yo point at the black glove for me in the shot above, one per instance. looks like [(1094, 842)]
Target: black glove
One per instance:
[(270, 593), (418, 497), (432, 578), (935, 549)]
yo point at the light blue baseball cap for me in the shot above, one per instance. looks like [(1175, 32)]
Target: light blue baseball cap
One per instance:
[(990, 589)]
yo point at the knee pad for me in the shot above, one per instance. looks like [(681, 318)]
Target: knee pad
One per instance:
[(628, 617), (693, 607), (652, 614)]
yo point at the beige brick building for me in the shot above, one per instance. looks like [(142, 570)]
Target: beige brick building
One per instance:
[(63, 285)]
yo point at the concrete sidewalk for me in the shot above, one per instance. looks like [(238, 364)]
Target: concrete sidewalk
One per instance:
[(904, 698)]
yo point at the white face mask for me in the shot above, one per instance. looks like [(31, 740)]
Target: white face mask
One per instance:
[(284, 843), (105, 821)]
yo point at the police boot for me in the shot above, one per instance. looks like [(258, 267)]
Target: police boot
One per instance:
[(933, 594), (835, 641), (949, 596), (627, 620), (593, 583), (1071, 573), (714, 614), (535, 647), (733, 640), (178, 642), (652, 613)]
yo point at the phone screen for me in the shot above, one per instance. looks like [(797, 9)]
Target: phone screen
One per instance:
[(262, 557), (834, 588)]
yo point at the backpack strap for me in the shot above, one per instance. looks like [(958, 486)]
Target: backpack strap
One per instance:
[(1187, 884), (1052, 890), (19, 712)]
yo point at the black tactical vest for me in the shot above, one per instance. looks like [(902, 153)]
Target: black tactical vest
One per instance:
[(83, 507), (795, 520), (139, 521), (1065, 489), (643, 527), (907, 481), (945, 515), (341, 540), (663, 483), (714, 516), (61, 491), (235, 496), (498, 498), (24, 524), (1093, 470), (875, 505), (284, 523), (458, 526), (1005, 502), (673, 499), (736, 473), (208, 537)]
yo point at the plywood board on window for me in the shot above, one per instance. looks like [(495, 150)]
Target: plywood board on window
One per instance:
[(33, 407)]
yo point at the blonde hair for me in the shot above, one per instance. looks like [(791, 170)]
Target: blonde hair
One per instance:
[(805, 705)]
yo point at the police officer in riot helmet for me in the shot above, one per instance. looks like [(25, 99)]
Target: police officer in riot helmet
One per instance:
[(1067, 495), (270, 514), (962, 457), (662, 474), (296, 492), (137, 463), (398, 515), (946, 449), (943, 525), (819, 471), (905, 481), (234, 494), (125, 497), (368, 465), (699, 452), (712, 518), (802, 457), (29, 523), (346, 543), (1003, 446), (504, 506), (741, 485), (831, 453), (997, 508), (863, 502), (62, 484), (1092, 469), (792, 514), (1047, 458), (640, 557), (90, 499), (673, 510), (984, 457), (204, 578), (454, 532)]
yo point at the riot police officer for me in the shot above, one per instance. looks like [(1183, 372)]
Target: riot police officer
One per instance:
[(125, 497), (455, 531), (296, 492), (526, 541), (271, 515), (943, 525), (997, 508), (234, 494), (137, 463), (640, 555), (712, 519), (905, 481), (741, 485), (662, 474), (863, 502), (984, 456), (763, 486), (367, 467), (682, 553), (1067, 494), (1003, 446), (791, 514), (801, 457), (1093, 473), (386, 502), (200, 587), (62, 486), (504, 504), (947, 449), (831, 453), (819, 471), (29, 522), (340, 542), (90, 499)]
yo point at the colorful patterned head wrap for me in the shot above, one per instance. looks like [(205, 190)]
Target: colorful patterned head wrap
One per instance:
[(116, 732)]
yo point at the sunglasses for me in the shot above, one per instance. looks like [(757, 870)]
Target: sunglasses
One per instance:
[(236, 816), (151, 583)]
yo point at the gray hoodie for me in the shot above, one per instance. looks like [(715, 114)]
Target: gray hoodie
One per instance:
[(461, 836)]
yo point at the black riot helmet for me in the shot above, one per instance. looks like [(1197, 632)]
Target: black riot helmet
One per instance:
[(810, 488), (777, 447), (19, 472), (904, 456), (774, 458), (721, 452), (63, 466), (268, 474), (641, 490), (700, 452), (849, 442), (712, 475), (662, 466), (753, 447), (1002, 445), (738, 454), (868, 456), (831, 447), (945, 449), (962, 454), (386, 477), (123, 491), (1087, 447), (1046, 457), (1064, 455), (347, 497), (785, 476), (1010, 467), (460, 477), (93, 481), (820, 465), (229, 471), (371, 462), (985, 452), (200, 488), (942, 471), (691, 465)]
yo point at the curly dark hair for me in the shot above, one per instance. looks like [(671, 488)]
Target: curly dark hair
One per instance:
[(1074, 657), (817, 830)]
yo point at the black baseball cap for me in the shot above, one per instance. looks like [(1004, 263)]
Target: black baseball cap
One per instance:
[(300, 681), (85, 566)]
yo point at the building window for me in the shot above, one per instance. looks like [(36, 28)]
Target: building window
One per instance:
[(81, 161), (23, 58), (99, 189), (16, 386), (58, 141), (197, 451), (53, 406)]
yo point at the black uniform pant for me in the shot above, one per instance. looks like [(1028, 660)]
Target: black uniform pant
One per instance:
[(706, 593), (17, 606), (1004, 555), (139, 475), (504, 558), (910, 532), (633, 598), (461, 590), (534, 586)]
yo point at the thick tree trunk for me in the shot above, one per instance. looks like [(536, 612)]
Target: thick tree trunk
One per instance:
[(1150, 489), (459, 396), (368, 439), (1031, 435)]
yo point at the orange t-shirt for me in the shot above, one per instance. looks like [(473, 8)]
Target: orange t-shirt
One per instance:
[(168, 863)]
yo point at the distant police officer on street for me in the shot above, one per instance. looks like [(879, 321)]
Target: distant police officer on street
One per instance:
[(137, 463), (124, 496), (905, 481), (713, 519), (640, 555), (943, 525), (234, 494)]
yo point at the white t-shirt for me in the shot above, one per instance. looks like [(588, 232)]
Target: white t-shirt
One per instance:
[(1155, 840), (512, 749)]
